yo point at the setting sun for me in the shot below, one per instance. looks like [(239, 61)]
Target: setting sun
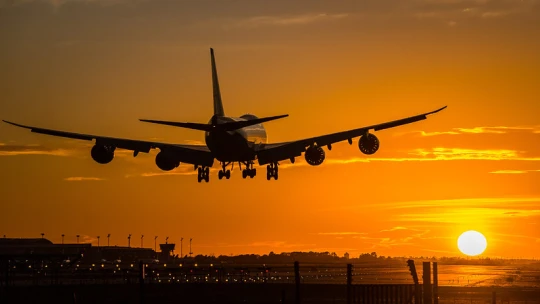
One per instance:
[(472, 243)]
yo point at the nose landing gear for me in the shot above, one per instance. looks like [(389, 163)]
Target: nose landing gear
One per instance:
[(224, 172)]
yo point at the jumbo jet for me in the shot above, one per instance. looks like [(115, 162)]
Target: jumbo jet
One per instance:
[(231, 140)]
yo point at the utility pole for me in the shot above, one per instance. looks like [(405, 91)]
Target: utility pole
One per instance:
[(129, 241), (98, 241), (181, 245), (190, 252), (62, 238), (142, 236), (78, 239), (108, 238), (155, 244)]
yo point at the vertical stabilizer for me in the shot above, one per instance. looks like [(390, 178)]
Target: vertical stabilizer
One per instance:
[(218, 105)]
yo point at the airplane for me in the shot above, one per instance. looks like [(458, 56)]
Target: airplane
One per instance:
[(231, 140)]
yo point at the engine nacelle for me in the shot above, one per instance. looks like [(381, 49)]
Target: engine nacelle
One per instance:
[(314, 155), (368, 144), (166, 162), (102, 154)]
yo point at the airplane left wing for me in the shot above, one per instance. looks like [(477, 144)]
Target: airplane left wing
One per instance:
[(191, 154), (269, 153)]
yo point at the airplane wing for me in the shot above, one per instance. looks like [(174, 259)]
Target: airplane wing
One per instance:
[(268, 153), (191, 154)]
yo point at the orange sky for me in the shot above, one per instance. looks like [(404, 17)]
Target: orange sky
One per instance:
[(98, 66)]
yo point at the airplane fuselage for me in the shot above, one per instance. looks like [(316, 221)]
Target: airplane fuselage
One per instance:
[(238, 145)]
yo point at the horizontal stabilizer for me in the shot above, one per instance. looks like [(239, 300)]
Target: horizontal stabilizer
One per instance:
[(223, 126), (187, 125)]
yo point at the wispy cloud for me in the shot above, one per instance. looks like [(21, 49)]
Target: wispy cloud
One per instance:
[(394, 229), (341, 233), (286, 20), (59, 3), (82, 178), (14, 150), (480, 130), (513, 171)]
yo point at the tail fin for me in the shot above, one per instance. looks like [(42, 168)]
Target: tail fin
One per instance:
[(218, 105)]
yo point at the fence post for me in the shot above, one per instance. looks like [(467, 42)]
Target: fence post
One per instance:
[(426, 280), (349, 283), (142, 271), (297, 281), (435, 283)]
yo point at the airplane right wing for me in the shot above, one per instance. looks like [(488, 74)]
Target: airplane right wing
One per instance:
[(103, 152), (368, 144)]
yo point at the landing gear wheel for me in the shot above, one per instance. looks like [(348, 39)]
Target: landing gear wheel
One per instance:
[(203, 174), (272, 171), (249, 170), (228, 174)]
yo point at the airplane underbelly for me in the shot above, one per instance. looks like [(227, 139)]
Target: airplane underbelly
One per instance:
[(229, 146)]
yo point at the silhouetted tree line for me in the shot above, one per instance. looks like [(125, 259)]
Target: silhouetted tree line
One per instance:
[(331, 257)]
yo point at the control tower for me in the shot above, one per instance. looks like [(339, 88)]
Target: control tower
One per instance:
[(167, 251)]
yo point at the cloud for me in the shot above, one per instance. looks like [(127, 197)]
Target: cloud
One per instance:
[(59, 3), (287, 20), (14, 150), (394, 229), (488, 202), (81, 178), (341, 233), (470, 154), (513, 171), (479, 130), (182, 170)]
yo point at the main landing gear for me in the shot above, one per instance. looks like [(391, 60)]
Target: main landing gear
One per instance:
[(224, 172), (272, 171), (203, 174), (249, 170)]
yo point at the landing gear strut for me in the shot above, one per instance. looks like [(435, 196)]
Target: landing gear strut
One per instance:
[(272, 171), (203, 174), (249, 170), (224, 172)]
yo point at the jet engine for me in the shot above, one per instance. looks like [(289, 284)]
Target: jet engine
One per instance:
[(102, 154), (166, 162), (314, 155), (368, 144)]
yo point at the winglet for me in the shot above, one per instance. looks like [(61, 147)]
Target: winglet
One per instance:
[(16, 124), (438, 110)]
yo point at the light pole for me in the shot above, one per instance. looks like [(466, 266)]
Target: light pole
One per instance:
[(190, 252), (98, 241), (42, 235), (108, 238), (62, 239), (129, 241), (181, 247), (78, 239), (155, 246), (142, 236)]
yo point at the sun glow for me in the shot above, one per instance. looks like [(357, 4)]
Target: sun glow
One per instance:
[(472, 243)]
